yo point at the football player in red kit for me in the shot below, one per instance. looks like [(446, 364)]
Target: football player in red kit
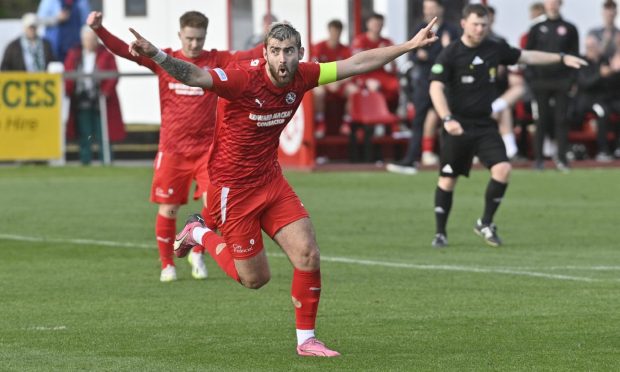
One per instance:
[(248, 191), (187, 125)]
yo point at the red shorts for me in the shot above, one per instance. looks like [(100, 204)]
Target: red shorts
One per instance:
[(173, 176), (240, 214)]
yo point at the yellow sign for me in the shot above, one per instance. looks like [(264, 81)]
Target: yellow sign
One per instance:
[(30, 124)]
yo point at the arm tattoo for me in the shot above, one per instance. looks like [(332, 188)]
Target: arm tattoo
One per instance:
[(180, 70)]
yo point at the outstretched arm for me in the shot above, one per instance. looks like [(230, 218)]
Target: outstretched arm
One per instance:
[(187, 73), (536, 57), (113, 43), (372, 59)]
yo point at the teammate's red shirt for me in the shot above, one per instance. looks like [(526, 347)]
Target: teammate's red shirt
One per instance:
[(251, 114), (321, 52), (186, 125)]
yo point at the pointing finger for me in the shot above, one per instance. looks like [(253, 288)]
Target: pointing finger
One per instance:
[(135, 33)]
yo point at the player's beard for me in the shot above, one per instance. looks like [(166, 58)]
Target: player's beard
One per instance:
[(282, 74)]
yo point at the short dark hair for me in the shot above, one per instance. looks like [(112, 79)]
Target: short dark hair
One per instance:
[(194, 19), (283, 31), (491, 10), (335, 24), (609, 4), (478, 9), (375, 16)]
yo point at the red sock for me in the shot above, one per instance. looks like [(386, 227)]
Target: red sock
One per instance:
[(216, 246), (306, 291), (428, 144), (164, 232)]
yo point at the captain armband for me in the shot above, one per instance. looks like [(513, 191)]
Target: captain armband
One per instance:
[(328, 73)]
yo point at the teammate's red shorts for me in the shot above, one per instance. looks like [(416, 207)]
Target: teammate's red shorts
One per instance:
[(173, 176), (241, 213)]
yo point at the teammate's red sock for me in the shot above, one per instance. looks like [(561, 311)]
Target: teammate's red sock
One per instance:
[(428, 144), (216, 246), (306, 291), (165, 229)]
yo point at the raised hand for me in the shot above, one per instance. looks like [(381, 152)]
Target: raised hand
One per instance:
[(141, 46), (425, 36), (574, 62), (94, 20)]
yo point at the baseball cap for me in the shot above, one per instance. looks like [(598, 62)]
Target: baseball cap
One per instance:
[(30, 19)]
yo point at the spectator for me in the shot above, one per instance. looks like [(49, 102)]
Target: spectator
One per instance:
[(257, 39), (383, 79), (84, 92), (552, 83), (63, 20), (608, 34), (596, 86), (423, 59), (29, 52), (330, 50)]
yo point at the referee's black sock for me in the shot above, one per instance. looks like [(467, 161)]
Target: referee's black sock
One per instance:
[(443, 204), (492, 198)]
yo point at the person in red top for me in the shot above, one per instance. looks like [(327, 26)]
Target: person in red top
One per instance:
[(337, 92), (384, 78), (84, 113), (187, 124), (248, 192)]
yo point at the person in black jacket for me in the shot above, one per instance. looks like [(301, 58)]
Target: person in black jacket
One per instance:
[(423, 59), (596, 86), (552, 83), (463, 87), (29, 52)]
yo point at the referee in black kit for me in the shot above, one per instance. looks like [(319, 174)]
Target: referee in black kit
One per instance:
[(462, 90)]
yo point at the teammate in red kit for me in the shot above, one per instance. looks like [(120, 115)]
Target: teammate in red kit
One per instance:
[(337, 92), (187, 125), (383, 79), (248, 191)]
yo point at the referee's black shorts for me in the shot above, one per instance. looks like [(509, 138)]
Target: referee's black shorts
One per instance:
[(480, 138)]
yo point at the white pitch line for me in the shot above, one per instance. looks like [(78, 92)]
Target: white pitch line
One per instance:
[(471, 269)]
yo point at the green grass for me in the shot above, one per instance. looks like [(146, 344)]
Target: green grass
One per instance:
[(72, 298)]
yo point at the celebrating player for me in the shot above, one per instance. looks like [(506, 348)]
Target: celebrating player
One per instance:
[(462, 90), (248, 191), (187, 124)]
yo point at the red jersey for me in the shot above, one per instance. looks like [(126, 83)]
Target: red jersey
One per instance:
[(187, 113), (251, 114), (321, 52)]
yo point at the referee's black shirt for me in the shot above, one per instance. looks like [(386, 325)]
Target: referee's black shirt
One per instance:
[(470, 74)]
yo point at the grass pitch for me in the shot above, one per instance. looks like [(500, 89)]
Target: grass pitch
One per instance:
[(80, 290)]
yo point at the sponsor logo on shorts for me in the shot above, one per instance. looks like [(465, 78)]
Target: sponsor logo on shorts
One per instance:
[(239, 249), (163, 194), (447, 169)]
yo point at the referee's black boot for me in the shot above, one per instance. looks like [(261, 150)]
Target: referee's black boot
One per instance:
[(440, 241), (488, 233)]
